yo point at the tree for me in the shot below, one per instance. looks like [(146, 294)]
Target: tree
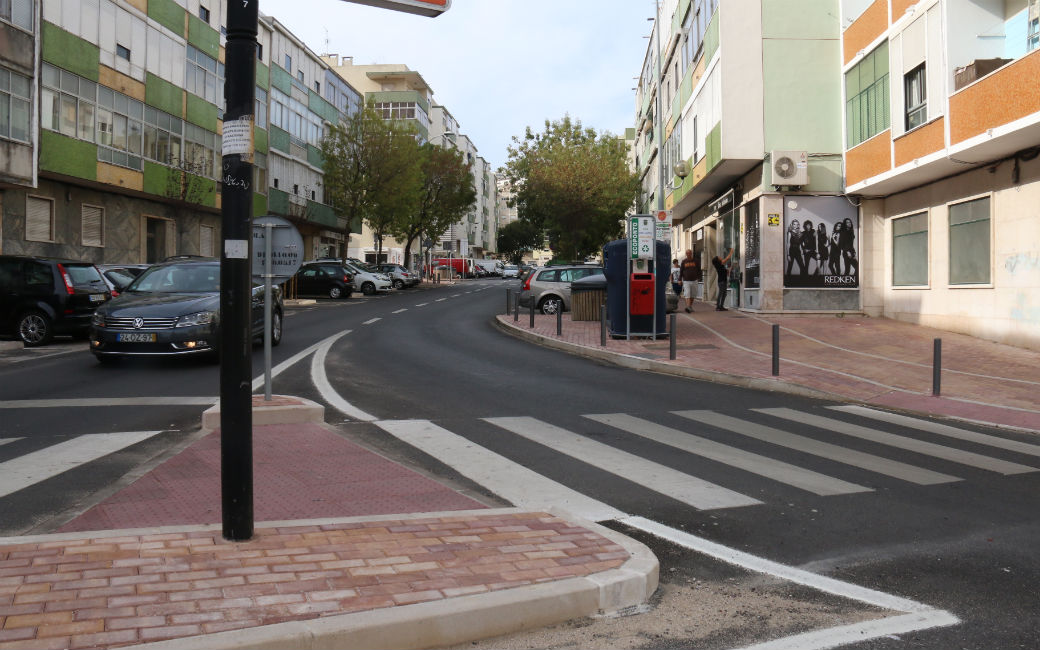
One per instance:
[(447, 194), (573, 183), (517, 238), (372, 170)]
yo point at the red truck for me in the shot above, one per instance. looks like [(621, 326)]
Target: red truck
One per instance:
[(463, 267)]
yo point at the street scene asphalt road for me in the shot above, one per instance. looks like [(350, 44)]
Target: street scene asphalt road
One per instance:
[(756, 503)]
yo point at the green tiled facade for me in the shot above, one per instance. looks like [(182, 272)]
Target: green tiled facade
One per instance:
[(202, 113), (163, 95), (203, 37), (169, 14), (71, 52), (281, 79), (263, 76), (279, 139), (64, 155)]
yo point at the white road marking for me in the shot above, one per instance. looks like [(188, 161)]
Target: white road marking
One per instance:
[(456, 295), (258, 381), (372, 320), (749, 462), (399, 311), (4, 441), (672, 483), (422, 304), (942, 429), (511, 481), (440, 300), (858, 632), (328, 393), (107, 401), (21, 472), (837, 453), (900, 442)]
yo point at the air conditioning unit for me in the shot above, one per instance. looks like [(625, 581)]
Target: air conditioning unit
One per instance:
[(789, 167)]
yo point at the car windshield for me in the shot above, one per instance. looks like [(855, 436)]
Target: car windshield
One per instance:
[(119, 278), (179, 278)]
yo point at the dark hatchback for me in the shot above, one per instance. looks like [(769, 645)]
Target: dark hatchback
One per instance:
[(173, 309), (324, 279), (41, 297)]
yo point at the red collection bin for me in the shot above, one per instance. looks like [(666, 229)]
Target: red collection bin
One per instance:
[(641, 293)]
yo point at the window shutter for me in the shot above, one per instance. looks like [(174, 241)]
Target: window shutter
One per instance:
[(38, 224), (206, 241), (171, 238), (93, 224)]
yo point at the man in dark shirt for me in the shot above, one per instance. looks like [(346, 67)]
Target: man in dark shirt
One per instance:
[(723, 276), (690, 269)]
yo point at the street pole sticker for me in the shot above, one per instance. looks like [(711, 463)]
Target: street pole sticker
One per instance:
[(664, 225), (236, 137)]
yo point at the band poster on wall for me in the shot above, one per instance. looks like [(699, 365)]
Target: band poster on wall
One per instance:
[(821, 240)]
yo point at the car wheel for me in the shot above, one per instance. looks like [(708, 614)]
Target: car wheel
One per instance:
[(398, 284), (551, 305), (34, 328), (335, 293), (276, 328), (368, 288)]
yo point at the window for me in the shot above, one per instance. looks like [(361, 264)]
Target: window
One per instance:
[(1033, 35), (867, 97), (200, 150), (206, 239), (299, 76), (204, 76), (260, 108), (969, 242), (39, 219), (17, 12), (259, 51), (288, 62), (317, 87), (915, 94), (260, 172), (15, 101), (910, 250), (696, 142), (92, 225), (204, 14), (122, 52), (119, 128)]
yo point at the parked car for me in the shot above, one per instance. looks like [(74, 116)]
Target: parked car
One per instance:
[(510, 271), (330, 279), (366, 281), (550, 287), (173, 309), (400, 277), (41, 297)]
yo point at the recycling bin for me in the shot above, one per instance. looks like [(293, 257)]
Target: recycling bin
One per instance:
[(621, 319)]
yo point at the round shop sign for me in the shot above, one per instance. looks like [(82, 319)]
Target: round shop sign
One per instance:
[(286, 248)]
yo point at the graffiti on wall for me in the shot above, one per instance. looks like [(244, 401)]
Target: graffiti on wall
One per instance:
[(1022, 262)]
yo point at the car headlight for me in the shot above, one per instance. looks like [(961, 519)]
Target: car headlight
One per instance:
[(98, 319), (198, 318)]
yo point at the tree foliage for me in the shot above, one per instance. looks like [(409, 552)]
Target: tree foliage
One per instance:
[(446, 195), (517, 238), (372, 170), (572, 183)]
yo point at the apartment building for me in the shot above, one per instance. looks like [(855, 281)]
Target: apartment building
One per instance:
[(113, 141), (749, 139), (942, 116)]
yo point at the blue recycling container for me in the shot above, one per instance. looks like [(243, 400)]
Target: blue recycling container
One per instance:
[(616, 269)]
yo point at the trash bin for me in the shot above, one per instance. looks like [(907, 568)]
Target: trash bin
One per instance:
[(619, 301), (587, 295)]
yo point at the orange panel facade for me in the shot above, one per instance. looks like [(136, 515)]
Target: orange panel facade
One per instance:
[(1008, 94), (869, 159), (920, 142), (899, 8), (871, 23)]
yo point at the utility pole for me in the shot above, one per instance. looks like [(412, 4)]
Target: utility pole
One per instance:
[(236, 354)]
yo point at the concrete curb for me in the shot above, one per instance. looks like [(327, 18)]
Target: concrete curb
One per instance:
[(11, 345), (437, 623), (303, 410), (639, 363)]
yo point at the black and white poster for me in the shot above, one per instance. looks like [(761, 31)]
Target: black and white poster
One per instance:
[(821, 243)]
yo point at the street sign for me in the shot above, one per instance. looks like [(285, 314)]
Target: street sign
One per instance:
[(431, 8), (664, 225), (641, 237), (286, 249)]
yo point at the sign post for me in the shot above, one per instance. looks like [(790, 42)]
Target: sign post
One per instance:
[(277, 255)]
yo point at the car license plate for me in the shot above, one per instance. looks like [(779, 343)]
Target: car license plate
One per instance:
[(97, 297), (135, 337)]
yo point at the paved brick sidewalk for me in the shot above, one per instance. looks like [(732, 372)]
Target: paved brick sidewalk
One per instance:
[(872, 360), (117, 589)]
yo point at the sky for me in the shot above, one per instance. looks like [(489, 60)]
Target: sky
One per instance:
[(498, 66)]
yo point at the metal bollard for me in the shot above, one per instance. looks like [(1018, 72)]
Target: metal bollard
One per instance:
[(776, 350), (671, 344), (532, 312), (936, 366), (559, 321), (509, 300), (603, 325), (516, 307)]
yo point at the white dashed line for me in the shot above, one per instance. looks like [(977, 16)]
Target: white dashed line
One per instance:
[(422, 304), (440, 300), (372, 320), (399, 311)]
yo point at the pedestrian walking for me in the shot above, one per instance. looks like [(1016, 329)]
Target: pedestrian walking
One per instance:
[(722, 272), (690, 271), (676, 278)]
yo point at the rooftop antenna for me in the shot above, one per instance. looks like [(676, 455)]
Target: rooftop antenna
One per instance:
[(327, 50)]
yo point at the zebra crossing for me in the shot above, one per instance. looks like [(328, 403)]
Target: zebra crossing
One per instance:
[(722, 438)]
